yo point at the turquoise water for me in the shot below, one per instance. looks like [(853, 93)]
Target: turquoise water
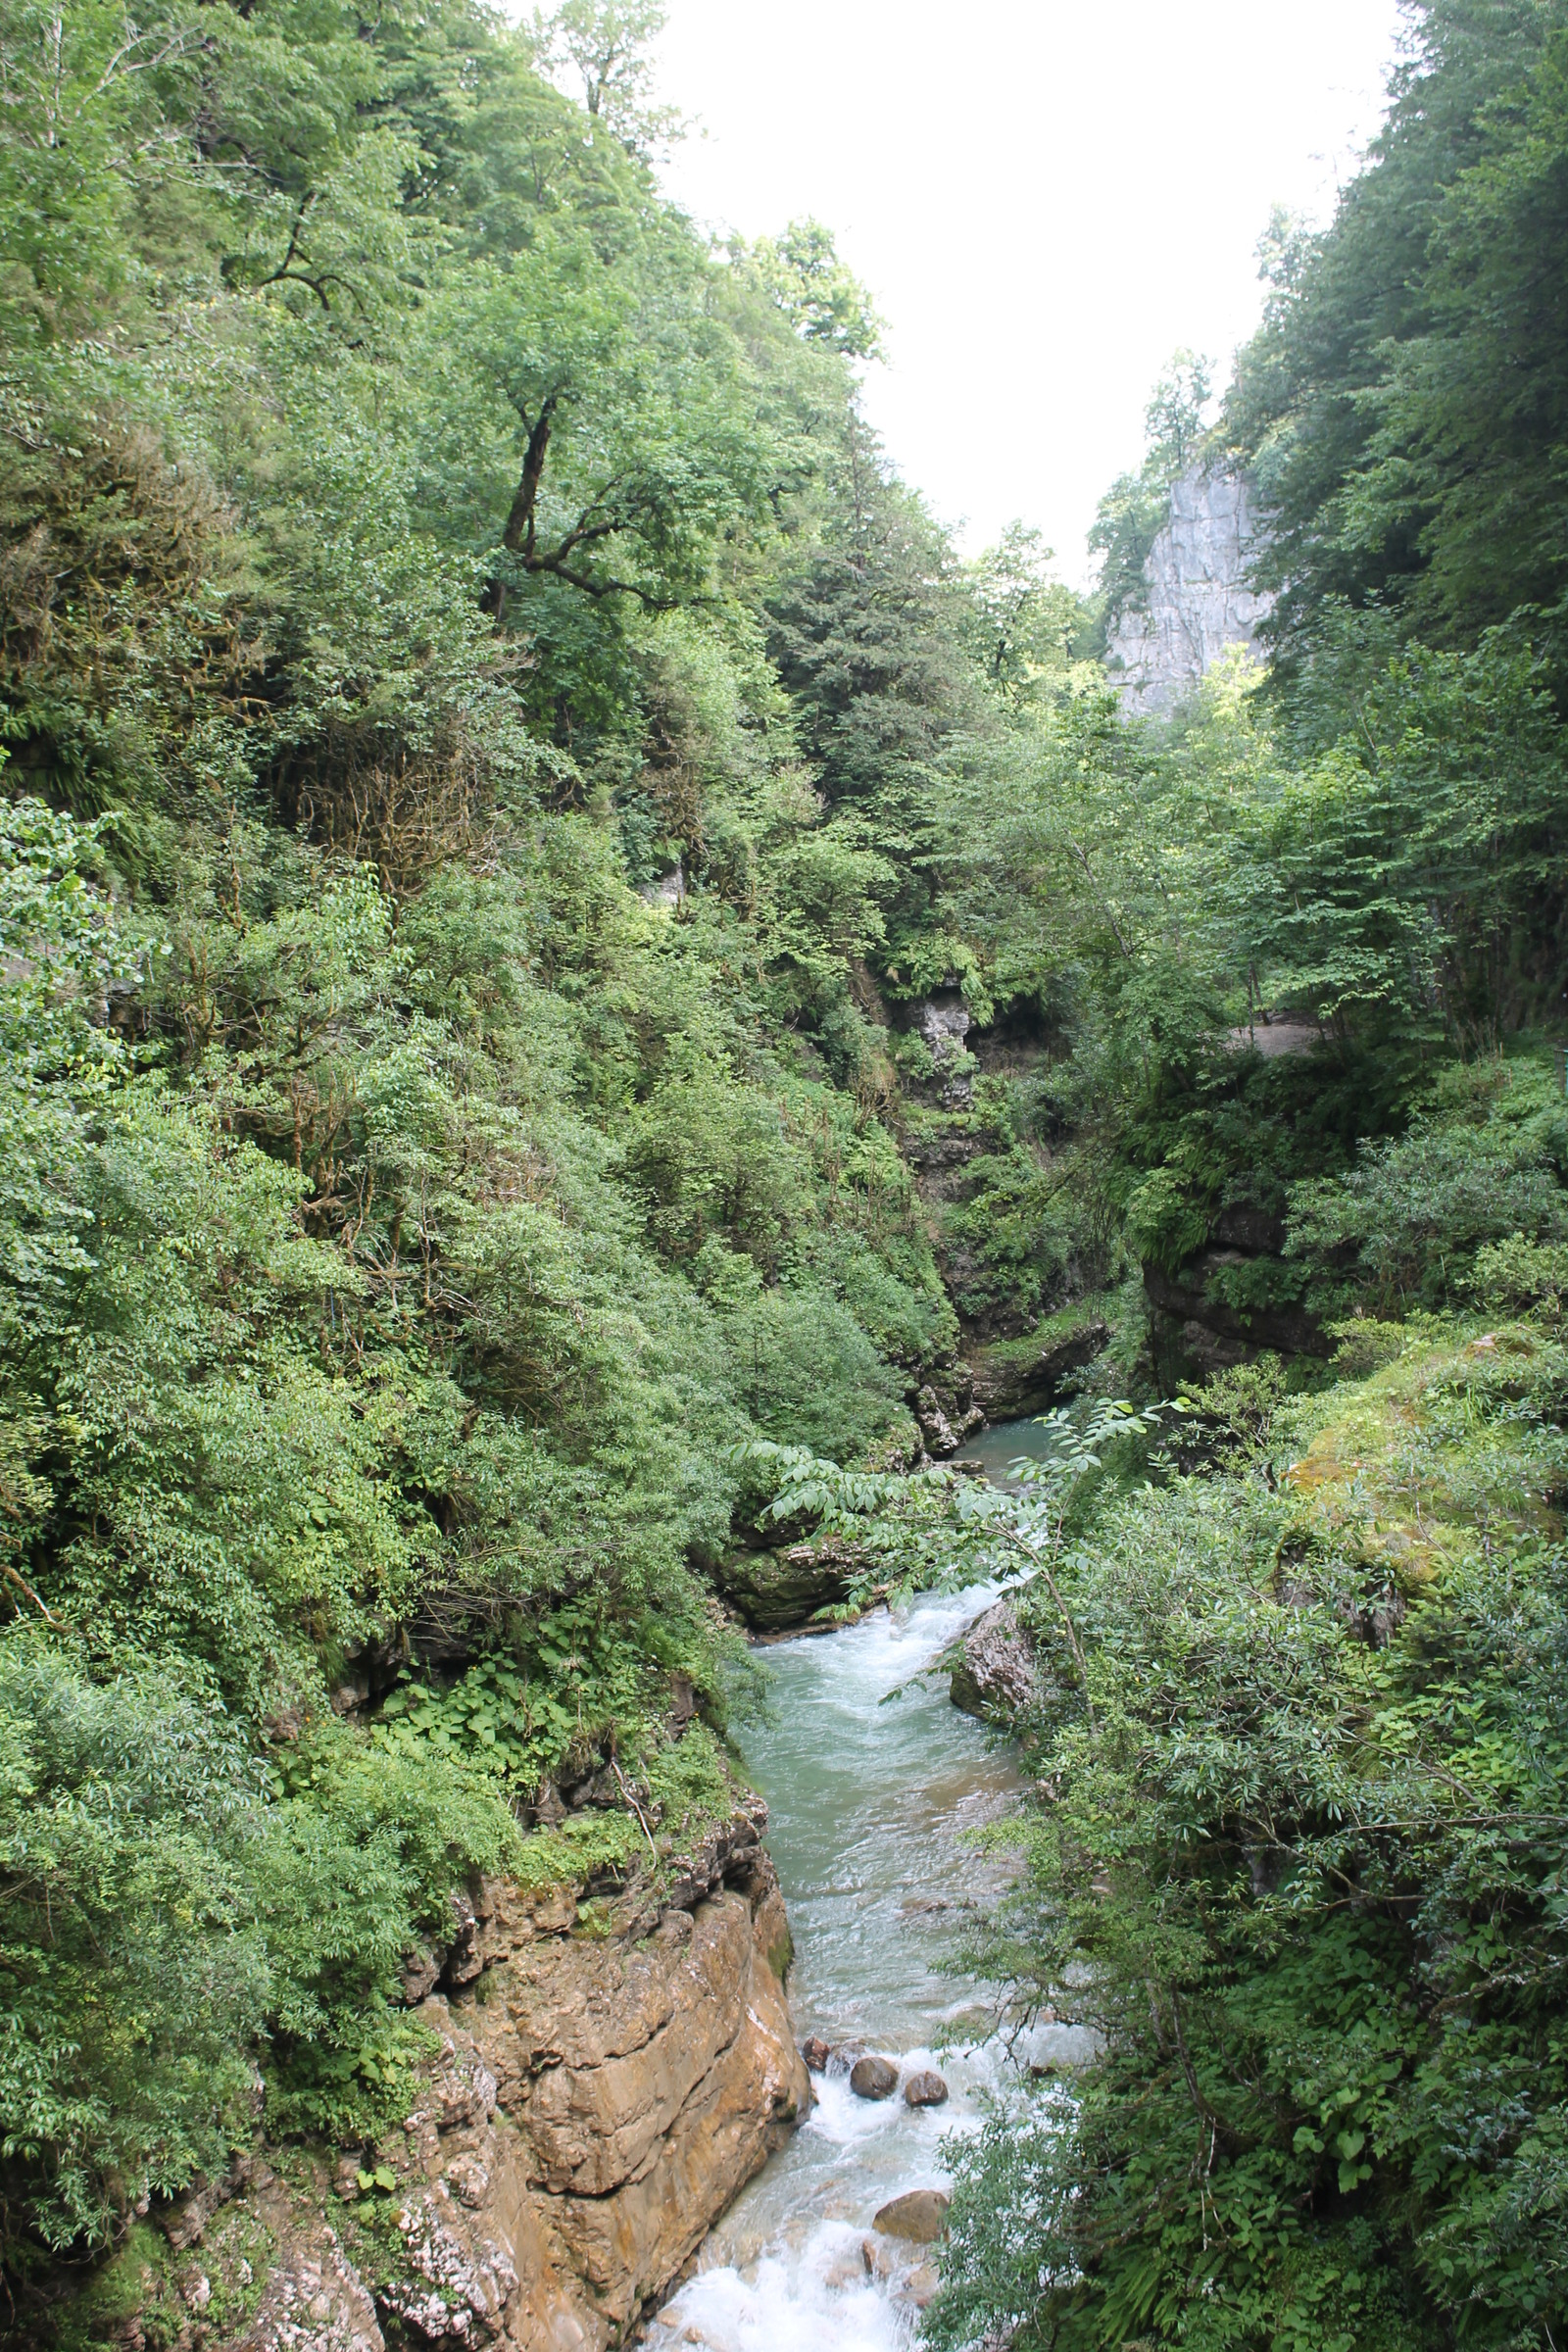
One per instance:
[(999, 1447), (868, 1803)]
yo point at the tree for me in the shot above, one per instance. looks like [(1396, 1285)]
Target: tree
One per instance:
[(865, 638), (1136, 507), (1024, 622), (1394, 463), (824, 302), (605, 42)]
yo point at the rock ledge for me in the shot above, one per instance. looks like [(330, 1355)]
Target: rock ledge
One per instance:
[(594, 2107)]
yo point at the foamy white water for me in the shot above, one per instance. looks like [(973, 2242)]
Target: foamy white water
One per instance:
[(868, 1804)]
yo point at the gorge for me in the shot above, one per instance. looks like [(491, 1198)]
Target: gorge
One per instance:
[(592, 1010), (600, 2101)]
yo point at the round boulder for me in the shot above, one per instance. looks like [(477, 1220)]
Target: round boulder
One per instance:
[(925, 2089), (873, 2079), (918, 2217)]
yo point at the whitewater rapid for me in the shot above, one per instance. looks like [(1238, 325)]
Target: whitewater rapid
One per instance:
[(869, 1805)]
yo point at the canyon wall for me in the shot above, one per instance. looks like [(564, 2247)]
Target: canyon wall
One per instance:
[(1199, 601), (599, 2093)]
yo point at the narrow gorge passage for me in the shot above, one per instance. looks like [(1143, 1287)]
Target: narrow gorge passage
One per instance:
[(868, 1805)]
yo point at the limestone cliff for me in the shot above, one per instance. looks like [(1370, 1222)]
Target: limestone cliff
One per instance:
[(1199, 601), (603, 2090)]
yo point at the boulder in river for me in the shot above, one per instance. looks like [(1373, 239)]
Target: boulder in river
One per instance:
[(921, 2287), (925, 2089), (816, 2052), (777, 1590), (919, 2218), (994, 1676), (873, 2079)]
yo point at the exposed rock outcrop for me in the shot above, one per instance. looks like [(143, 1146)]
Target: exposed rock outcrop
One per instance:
[(994, 1677), (944, 1022), (1194, 1332), (1012, 1381), (942, 1434), (1198, 599), (668, 891), (1277, 1036), (594, 2106), (774, 1591), (935, 1428)]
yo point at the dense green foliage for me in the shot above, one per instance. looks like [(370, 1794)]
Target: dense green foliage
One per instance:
[(494, 762), (1301, 1858), (1403, 403), (1296, 1841), (404, 1222)]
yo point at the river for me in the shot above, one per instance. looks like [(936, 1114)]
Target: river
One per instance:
[(868, 1804)]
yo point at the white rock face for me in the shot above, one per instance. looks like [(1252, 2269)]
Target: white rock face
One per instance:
[(668, 891), (1198, 599)]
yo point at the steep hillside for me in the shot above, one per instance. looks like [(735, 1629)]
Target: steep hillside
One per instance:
[(578, 996)]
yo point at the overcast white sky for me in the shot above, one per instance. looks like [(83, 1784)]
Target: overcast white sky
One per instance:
[(1045, 197)]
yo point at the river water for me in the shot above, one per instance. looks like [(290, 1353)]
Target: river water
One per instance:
[(868, 1805)]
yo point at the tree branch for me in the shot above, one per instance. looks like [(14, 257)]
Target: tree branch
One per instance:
[(302, 214), (519, 537), (560, 571)]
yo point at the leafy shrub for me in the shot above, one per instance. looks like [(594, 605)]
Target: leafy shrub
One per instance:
[(1405, 1225), (1034, 1228), (513, 1717), (138, 1835), (1517, 1273), (1296, 1863), (363, 1848), (131, 1820)]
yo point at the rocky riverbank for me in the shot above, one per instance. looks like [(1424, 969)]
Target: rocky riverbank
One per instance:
[(594, 2101)]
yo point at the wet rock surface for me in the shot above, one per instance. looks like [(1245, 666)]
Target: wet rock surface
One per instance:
[(873, 2077), (994, 1676), (1009, 1382), (777, 1590), (925, 2089), (919, 2218), (944, 1021), (936, 1429), (943, 1430), (1194, 1332)]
